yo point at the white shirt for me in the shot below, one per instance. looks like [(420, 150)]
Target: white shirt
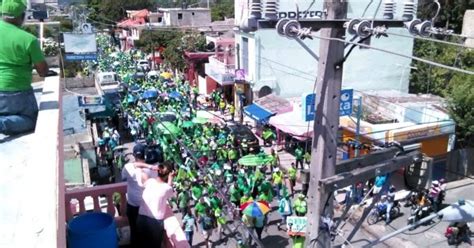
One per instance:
[(132, 175), (155, 199)]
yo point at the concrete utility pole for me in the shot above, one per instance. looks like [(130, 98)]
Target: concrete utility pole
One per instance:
[(326, 124)]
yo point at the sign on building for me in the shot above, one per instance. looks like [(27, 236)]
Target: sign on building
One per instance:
[(80, 46), (87, 101), (309, 104), (296, 226)]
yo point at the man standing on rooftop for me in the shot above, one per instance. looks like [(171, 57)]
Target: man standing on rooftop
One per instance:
[(19, 53)]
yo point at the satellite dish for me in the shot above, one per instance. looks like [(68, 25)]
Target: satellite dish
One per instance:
[(86, 28)]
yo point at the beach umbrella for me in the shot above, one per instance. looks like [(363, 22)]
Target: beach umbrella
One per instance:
[(255, 208), (254, 160), (169, 128), (461, 211)]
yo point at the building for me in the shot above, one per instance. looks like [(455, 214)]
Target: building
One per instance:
[(139, 20), (275, 64), (407, 119), (184, 17)]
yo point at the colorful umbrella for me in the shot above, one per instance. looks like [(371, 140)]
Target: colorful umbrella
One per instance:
[(166, 75), (169, 128), (255, 208), (187, 124), (254, 160)]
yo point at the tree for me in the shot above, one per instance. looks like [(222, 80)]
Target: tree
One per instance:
[(222, 9), (455, 86), (461, 102)]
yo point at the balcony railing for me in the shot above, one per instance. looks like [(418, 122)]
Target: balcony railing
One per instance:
[(222, 73), (101, 199)]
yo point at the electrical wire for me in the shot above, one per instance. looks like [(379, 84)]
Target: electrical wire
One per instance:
[(397, 54), (367, 7), (430, 39), (375, 14)]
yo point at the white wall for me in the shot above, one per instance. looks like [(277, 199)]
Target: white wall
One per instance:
[(286, 67)]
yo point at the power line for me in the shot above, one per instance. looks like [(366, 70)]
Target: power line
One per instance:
[(429, 39), (447, 33), (397, 54)]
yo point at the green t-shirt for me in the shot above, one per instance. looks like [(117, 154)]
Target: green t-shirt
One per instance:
[(200, 208), (299, 153), (292, 173), (19, 50)]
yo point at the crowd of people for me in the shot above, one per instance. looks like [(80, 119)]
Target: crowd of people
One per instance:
[(190, 163)]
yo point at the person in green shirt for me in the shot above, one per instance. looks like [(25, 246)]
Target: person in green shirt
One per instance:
[(183, 200), (196, 192), (19, 53), (277, 178), (292, 177), (231, 111), (299, 157), (275, 160), (200, 208), (307, 158), (300, 205)]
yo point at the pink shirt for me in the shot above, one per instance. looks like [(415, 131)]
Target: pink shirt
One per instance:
[(155, 199)]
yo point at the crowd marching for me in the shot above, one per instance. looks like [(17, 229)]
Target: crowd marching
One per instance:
[(189, 161)]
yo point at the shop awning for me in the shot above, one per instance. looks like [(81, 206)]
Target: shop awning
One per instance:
[(257, 113), (292, 123)]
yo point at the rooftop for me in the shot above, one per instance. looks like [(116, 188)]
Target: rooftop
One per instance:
[(32, 216)]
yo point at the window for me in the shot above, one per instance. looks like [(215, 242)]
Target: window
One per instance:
[(180, 16), (192, 13), (160, 19)]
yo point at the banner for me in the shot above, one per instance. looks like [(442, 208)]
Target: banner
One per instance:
[(80, 43), (296, 226)]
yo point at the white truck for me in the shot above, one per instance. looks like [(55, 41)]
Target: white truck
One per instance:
[(106, 82)]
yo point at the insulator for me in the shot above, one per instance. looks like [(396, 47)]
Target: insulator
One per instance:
[(350, 26), (409, 10), (424, 28), (256, 9), (389, 7), (411, 26), (271, 9), (363, 29)]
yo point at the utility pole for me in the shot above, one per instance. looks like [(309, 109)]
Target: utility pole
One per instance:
[(326, 124), (357, 137)]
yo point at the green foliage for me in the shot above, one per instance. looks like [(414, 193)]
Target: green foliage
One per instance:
[(175, 43), (456, 87), (222, 9), (461, 103), (150, 39), (451, 13), (66, 23)]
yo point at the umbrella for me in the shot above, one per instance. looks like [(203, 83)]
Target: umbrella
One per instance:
[(166, 75), (169, 128), (255, 208), (462, 211), (199, 120), (174, 94), (150, 94), (254, 160), (187, 124)]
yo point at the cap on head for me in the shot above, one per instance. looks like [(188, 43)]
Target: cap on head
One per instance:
[(139, 151), (13, 8), (435, 182)]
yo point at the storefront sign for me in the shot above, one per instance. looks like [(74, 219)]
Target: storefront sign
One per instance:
[(296, 226), (309, 104), (75, 57)]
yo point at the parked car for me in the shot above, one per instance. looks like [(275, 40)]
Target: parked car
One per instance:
[(143, 64), (242, 132)]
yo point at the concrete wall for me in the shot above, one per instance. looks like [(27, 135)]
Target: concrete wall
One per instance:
[(190, 17), (468, 27), (285, 66)]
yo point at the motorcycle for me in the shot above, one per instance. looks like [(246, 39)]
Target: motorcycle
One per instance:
[(456, 234), (380, 210), (419, 212)]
